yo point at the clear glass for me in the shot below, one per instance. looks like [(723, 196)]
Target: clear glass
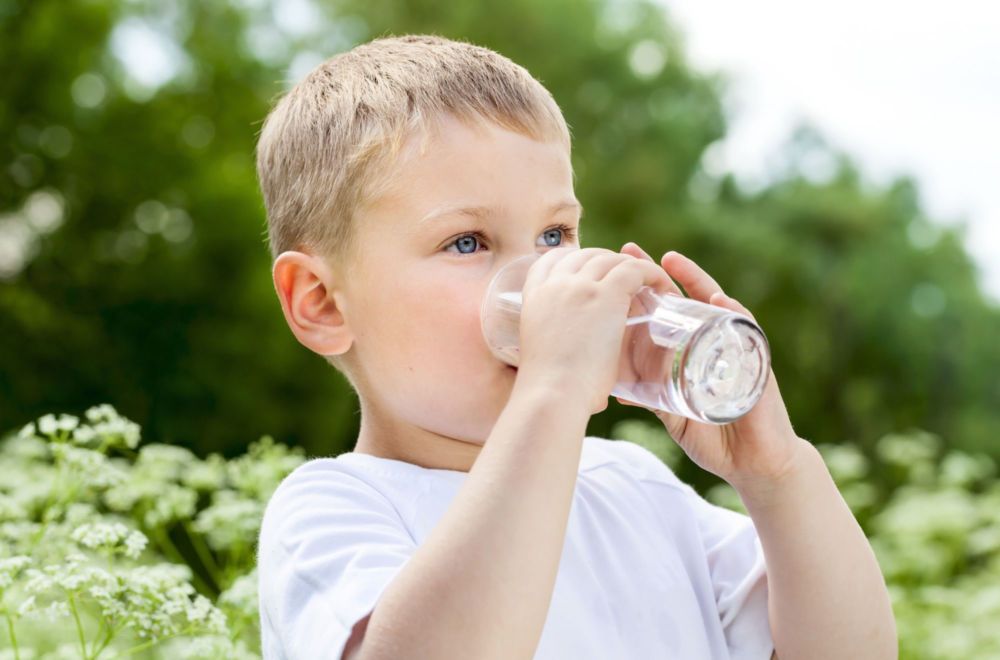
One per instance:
[(678, 355)]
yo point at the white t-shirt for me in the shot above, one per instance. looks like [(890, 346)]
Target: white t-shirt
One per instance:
[(649, 569)]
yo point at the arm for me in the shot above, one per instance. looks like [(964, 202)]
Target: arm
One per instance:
[(826, 594), (481, 583)]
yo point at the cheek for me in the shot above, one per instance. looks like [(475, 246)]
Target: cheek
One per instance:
[(452, 311), (427, 352), (431, 324)]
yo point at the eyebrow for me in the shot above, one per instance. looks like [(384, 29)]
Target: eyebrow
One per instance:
[(483, 212)]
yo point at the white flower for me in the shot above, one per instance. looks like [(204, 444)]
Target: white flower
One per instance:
[(10, 568), (56, 610), (99, 534), (27, 607), (204, 612), (38, 582), (242, 596), (100, 413), (115, 537), (231, 520), (207, 475), (27, 431), (258, 472), (93, 467), (174, 503), (134, 544), (67, 422), (26, 447), (47, 425), (84, 435)]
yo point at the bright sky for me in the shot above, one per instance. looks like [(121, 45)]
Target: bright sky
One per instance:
[(904, 86)]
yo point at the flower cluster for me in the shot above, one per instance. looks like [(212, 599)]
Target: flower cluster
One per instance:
[(109, 548)]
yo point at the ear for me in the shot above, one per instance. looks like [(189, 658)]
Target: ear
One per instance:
[(312, 304)]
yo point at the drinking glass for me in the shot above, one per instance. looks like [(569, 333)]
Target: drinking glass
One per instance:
[(677, 355)]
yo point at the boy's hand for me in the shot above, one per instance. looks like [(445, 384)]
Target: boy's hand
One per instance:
[(575, 303), (761, 445)]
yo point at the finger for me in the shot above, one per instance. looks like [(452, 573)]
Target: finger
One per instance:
[(575, 261), (698, 284), (633, 274), (637, 252), (722, 300), (597, 267), (543, 266)]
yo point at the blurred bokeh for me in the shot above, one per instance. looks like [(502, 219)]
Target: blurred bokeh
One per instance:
[(134, 271), (134, 268)]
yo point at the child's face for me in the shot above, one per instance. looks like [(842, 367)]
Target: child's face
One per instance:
[(427, 377)]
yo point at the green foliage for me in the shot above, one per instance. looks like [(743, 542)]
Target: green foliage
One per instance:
[(144, 279), (107, 550), (94, 563)]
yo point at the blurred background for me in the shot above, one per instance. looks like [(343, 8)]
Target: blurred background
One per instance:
[(833, 172), (834, 167)]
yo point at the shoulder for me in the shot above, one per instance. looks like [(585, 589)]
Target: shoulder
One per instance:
[(349, 477), (325, 494), (320, 479)]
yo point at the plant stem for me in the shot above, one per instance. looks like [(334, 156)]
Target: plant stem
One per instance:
[(13, 637), (163, 540), (97, 637), (79, 627), (146, 645), (109, 635), (204, 553)]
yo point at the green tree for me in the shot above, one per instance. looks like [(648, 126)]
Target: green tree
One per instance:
[(133, 266)]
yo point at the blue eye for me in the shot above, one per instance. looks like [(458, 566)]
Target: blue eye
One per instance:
[(558, 235), (552, 233), (469, 240)]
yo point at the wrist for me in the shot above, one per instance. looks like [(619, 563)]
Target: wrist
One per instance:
[(558, 389), (766, 489)]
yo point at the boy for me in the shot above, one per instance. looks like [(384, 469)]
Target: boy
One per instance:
[(474, 519)]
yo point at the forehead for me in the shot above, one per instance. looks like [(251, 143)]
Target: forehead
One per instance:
[(473, 163)]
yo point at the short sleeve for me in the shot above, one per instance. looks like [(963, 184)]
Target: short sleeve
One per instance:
[(329, 545), (735, 561), (739, 577)]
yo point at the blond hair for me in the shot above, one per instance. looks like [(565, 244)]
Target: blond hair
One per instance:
[(323, 145)]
